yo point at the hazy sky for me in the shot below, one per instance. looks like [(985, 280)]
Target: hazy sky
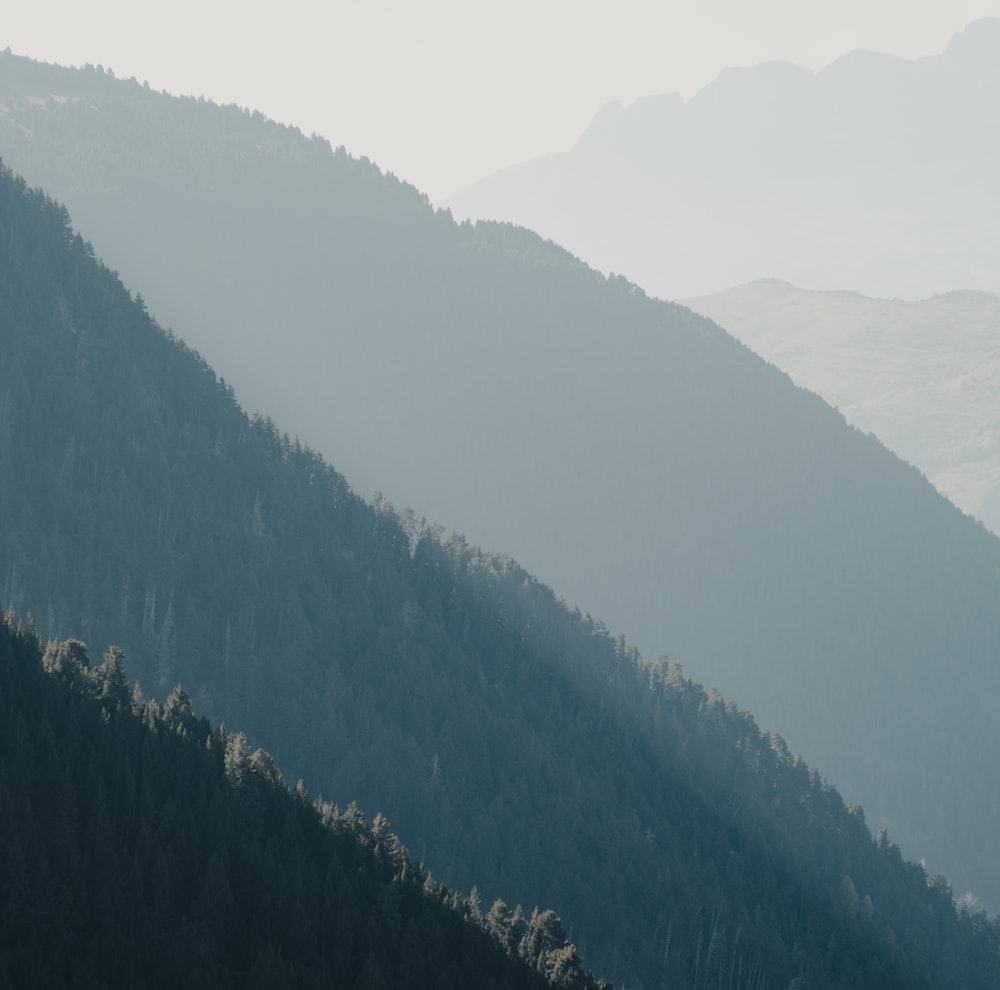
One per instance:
[(442, 92)]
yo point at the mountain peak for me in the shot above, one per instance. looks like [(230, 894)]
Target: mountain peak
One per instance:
[(754, 82), (644, 118), (978, 43)]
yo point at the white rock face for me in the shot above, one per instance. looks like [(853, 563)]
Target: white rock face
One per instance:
[(922, 376)]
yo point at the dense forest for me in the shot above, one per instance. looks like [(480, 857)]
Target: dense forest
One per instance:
[(141, 848), (624, 451), (514, 743)]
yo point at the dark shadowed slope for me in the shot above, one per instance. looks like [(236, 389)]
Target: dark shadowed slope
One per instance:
[(627, 452), (514, 744), (140, 848)]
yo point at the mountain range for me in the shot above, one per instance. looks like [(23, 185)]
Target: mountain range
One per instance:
[(625, 451), (518, 745), (874, 174), (922, 376)]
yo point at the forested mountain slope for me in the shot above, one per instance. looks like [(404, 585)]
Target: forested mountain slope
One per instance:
[(140, 848), (874, 174), (922, 376), (626, 452), (514, 744)]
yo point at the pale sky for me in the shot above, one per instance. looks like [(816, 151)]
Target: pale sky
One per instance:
[(443, 92)]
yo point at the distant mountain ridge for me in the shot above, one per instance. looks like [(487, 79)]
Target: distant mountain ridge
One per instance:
[(923, 376), (874, 174), (625, 451)]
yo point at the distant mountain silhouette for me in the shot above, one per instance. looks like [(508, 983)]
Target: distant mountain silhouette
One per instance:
[(923, 376), (627, 452), (875, 174)]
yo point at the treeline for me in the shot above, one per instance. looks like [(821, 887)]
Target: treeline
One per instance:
[(139, 847)]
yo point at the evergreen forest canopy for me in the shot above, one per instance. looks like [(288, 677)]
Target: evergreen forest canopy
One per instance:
[(628, 453), (514, 743), (140, 848)]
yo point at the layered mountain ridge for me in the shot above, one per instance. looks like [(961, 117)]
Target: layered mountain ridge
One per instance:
[(516, 743), (625, 451)]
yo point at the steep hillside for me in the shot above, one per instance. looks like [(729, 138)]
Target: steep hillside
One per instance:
[(514, 744), (625, 451), (140, 848), (873, 174), (922, 376)]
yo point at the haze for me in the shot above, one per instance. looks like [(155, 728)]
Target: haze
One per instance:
[(644, 464), (445, 92)]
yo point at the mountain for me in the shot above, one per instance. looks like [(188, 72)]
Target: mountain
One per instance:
[(873, 174), (922, 376), (514, 743), (140, 848), (625, 451)]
